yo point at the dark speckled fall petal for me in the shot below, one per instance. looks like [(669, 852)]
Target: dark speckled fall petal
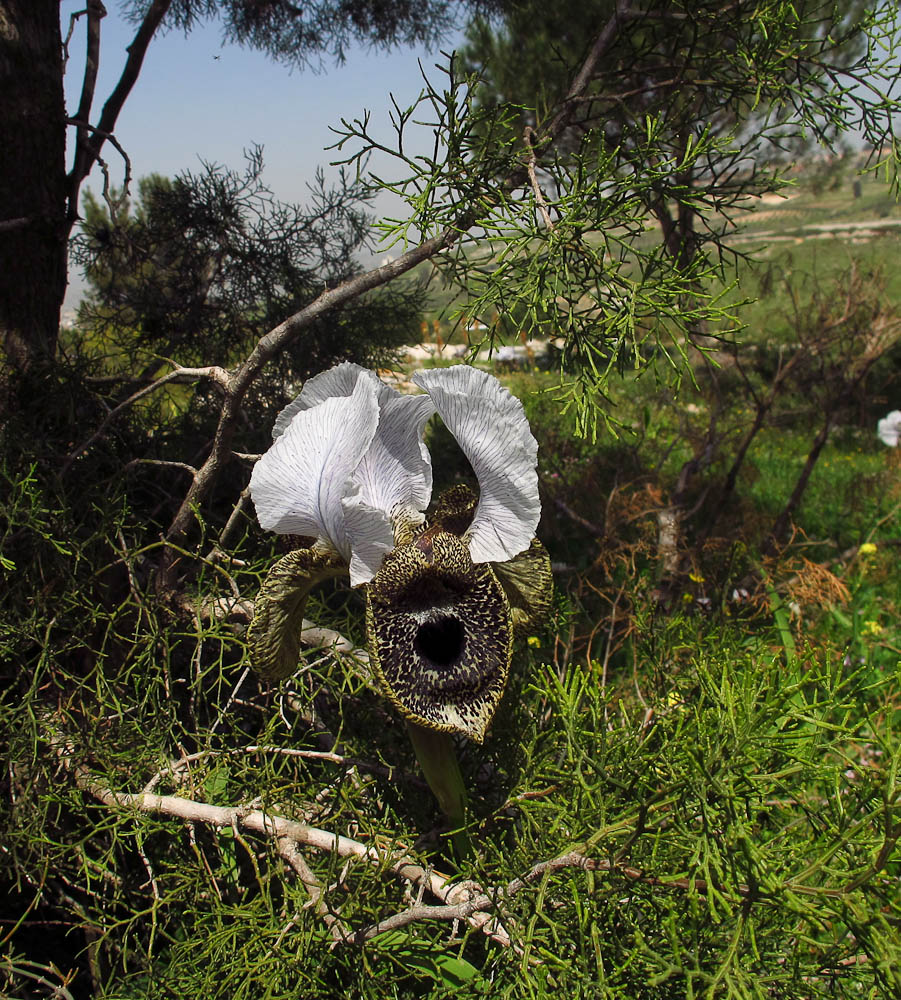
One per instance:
[(440, 635)]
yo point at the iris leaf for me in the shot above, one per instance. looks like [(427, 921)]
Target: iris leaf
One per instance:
[(274, 633), (528, 582)]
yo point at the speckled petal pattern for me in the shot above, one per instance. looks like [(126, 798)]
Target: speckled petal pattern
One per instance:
[(440, 635)]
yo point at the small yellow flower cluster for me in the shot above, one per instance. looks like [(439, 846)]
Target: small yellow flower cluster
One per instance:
[(533, 641), (867, 549), (871, 627)]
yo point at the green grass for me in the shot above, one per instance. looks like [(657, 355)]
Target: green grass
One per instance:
[(723, 753)]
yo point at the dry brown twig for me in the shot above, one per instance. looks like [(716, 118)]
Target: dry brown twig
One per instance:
[(179, 376)]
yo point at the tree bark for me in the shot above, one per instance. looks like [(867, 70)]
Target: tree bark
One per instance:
[(32, 180)]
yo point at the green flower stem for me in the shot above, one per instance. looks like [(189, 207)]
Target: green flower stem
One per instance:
[(438, 759)]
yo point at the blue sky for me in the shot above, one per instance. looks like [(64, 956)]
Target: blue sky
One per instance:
[(199, 99)]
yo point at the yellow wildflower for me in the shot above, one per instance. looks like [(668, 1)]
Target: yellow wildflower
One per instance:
[(867, 549), (534, 641)]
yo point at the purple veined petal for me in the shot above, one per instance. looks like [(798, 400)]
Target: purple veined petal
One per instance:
[(298, 485), (491, 427), (392, 485), (338, 381), (888, 429)]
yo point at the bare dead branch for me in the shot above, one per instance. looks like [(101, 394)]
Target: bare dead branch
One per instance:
[(96, 12), (163, 464), (268, 824), (179, 376), (288, 850), (175, 768), (529, 136), (486, 901), (233, 519), (73, 19), (110, 114), (113, 204)]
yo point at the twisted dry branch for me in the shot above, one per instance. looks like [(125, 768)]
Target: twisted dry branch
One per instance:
[(179, 376), (286, 832), (462, 901)]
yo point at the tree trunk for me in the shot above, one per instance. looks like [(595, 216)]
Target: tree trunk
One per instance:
[(32, 180)]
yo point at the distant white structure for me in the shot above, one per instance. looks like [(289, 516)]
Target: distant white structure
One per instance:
[(515, 355), (889, 429), (425, 352), (518, 356)]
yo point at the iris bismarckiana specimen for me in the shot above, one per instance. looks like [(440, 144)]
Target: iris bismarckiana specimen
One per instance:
[(889, 429), (446, 591)]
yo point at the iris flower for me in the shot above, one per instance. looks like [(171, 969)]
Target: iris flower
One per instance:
[(889, 429), (445, 591)]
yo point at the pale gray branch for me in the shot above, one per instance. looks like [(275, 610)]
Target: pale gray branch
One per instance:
[(287, 848), (180, 375)]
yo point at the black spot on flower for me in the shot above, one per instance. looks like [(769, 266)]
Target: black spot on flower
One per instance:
[(440, 634)]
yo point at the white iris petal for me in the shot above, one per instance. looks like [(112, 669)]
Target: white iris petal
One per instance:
[(298, 485), (889, 429), (391, 486), (491, 427), (338, 381), (387, 485), (348, 463)]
